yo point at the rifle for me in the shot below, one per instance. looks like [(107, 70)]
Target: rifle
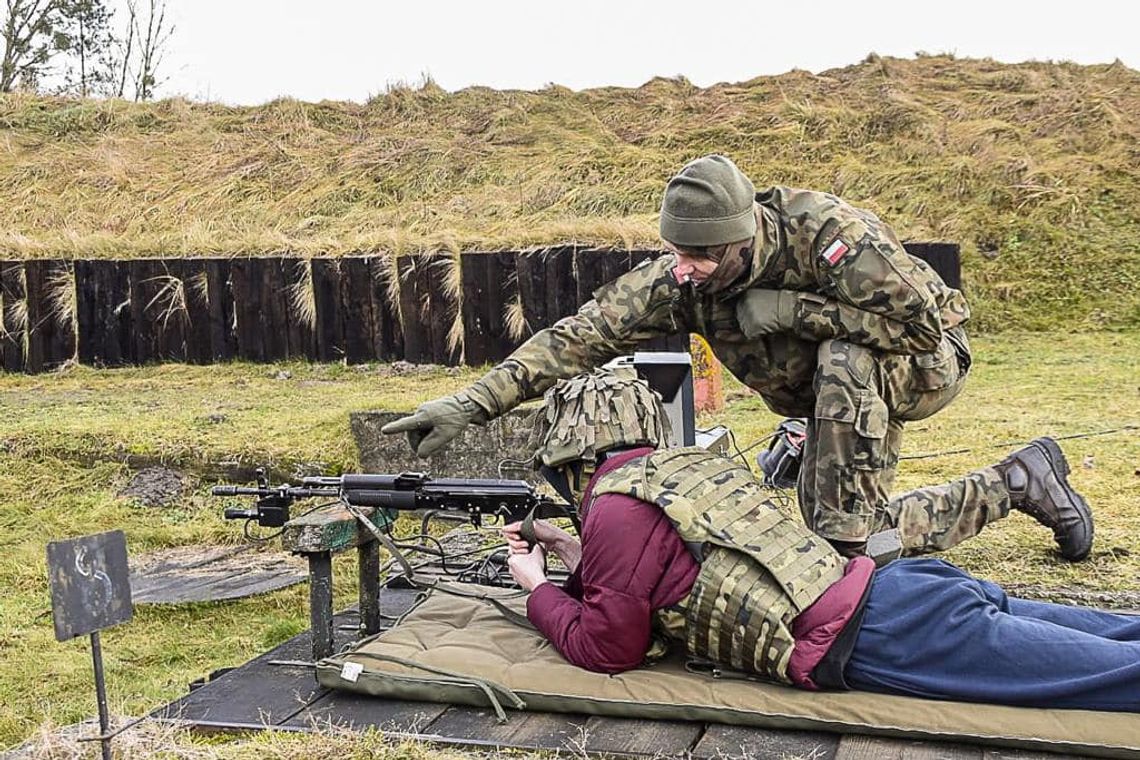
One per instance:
[(506, 500)]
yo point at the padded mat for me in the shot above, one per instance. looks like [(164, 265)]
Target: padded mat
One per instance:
[(454, 642)]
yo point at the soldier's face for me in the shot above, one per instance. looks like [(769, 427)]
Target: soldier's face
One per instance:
[(689, 268)]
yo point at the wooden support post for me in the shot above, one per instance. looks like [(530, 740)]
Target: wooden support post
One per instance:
[(356, 305), (321, 603), (220, 308), (330, 318), (51, 341), (386, 332), (11, 332), (368, 554)]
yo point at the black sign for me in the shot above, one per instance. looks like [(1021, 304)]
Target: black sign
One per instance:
[(90, 586)]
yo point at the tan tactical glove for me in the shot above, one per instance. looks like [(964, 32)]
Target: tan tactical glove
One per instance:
[(762, 312), (436, 423)]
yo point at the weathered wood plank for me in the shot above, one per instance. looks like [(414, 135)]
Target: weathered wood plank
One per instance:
[(256, 693), (329, 328), (659, 738), (195, 287), (480, 723), (220, 306), (854, 747), (943, 258), (356, 305), (328, 529), (275, 309), (246, 290), (386, 331), (359, 712), (50, 335), (720, 741), (594, 268), (413, 298), (441, 309), (11, 304), (1001, 753)]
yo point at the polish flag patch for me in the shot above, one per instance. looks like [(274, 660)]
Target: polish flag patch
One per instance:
[(834, 252)]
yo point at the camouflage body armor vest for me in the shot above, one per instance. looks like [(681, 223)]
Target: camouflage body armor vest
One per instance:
[(759, 568)]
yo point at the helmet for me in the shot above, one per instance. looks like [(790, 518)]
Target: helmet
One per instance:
[(595, 412)]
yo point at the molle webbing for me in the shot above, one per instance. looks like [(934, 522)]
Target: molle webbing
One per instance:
[(759, 569)]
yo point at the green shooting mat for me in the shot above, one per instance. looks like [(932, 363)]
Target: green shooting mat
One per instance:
[(461, 650)]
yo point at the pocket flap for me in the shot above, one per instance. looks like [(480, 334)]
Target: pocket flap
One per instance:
[(872, 419)]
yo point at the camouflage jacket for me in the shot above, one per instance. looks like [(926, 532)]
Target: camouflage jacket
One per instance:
[(852, 277)]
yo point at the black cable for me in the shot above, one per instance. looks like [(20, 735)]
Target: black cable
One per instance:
[(1005, 444)]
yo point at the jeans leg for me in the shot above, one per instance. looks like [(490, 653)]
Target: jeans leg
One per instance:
[(1106, 625), (932, 630)]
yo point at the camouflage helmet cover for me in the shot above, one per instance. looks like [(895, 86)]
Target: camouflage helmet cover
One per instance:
[(595, 412)]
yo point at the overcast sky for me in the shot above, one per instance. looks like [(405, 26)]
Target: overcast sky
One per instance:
[(251, 51)]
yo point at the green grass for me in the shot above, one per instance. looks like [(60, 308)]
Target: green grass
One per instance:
[(65, 435), (1031, 167)]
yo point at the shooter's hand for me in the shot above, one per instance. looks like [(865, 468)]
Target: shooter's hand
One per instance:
[(436, 423), (547, 535), (527, 569)]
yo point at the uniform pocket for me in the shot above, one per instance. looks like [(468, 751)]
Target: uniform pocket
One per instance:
[(936, 370)]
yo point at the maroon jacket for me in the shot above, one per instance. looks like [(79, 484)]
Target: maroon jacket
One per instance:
[(633, 563)]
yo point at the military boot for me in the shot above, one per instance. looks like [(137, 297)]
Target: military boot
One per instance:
[(1036, 477)]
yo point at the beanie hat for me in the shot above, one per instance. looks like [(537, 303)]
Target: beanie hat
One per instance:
[(709, 202)]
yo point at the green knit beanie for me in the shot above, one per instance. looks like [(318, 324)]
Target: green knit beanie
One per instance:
[(709, 202)]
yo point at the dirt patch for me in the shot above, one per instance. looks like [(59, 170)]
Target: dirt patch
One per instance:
[(155, 487), (203, 573)]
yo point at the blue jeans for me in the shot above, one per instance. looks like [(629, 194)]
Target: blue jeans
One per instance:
[(932, 630)]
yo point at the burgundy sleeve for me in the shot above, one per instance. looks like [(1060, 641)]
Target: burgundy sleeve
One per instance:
[(629, 552)]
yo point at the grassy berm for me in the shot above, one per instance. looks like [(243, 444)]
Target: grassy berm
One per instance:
[(1031, 167), (66, 436)]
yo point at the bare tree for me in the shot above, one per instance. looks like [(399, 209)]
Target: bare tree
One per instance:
[(152, 34), (30, 40)]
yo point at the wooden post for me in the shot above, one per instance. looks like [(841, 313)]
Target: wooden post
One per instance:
[(368, 555), (943, 258), (594, 268), (440, 309), (321, 603), (387, 335), (356, 304), (220, 307), (329, 328), (245, 284), (50, 341), (11, 332), (275, 309)]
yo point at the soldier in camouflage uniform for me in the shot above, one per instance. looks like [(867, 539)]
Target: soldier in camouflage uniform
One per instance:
[(816, 305), (685, 547)]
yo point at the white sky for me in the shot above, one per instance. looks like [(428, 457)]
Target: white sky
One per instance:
[(250, 51)]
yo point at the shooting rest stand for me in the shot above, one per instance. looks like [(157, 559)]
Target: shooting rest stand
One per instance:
[(317, 536)]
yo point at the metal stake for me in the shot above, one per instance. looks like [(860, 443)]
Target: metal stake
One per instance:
[(101, 695)]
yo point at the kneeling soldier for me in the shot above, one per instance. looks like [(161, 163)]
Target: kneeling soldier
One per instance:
[(683, 545)]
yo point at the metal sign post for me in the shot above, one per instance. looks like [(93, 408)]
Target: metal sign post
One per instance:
[(90, 591)]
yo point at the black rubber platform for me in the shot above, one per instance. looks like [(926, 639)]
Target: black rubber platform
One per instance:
[(260, 695)]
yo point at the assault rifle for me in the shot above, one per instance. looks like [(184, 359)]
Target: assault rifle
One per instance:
[(505, 500)]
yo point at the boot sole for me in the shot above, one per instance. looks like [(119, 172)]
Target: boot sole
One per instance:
[(1060, 466)]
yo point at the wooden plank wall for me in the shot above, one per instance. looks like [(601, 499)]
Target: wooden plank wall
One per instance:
[(355, 309)]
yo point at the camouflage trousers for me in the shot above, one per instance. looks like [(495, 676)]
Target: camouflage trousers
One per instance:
[(863, 397)]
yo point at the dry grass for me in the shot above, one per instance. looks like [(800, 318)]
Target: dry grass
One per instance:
[(1033, 167)]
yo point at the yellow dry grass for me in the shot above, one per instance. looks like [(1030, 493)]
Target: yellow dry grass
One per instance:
[(1032, 167)]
